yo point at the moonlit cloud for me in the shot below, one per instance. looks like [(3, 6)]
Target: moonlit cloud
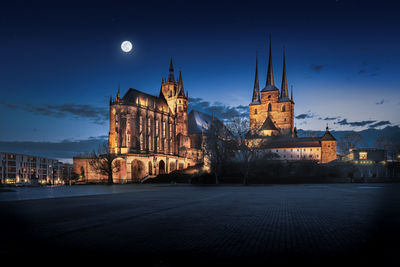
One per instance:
[(98, 115), (316, 68), (344, 122), (218, 109), (307, 115), (380, 123)]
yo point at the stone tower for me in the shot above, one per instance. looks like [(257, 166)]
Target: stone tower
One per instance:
[(174, 93), (272, 113)]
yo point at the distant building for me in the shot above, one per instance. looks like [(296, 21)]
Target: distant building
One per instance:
[(271, 114), (366, 155), (19, 168)]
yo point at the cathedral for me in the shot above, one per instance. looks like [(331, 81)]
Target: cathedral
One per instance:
[(271, 119), (149, 133)]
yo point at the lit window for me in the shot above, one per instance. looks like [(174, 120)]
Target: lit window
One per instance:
[(363, 155), (163, 129), (149, 143), (156, 128)]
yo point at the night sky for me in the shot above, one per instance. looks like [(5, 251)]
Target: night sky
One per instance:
[(59, 63)]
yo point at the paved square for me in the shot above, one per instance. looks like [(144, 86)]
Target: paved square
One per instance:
[(167, 225)]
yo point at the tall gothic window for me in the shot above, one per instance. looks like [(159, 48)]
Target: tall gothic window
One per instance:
[(141, 142), (283, 109), (163, 129), (140, 124), (269, 107), (149, 140), (156, 128)]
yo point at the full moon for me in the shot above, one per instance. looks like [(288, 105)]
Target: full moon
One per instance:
[(126, 46)]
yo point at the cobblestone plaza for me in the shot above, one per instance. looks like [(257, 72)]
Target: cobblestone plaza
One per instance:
[(167, 225)]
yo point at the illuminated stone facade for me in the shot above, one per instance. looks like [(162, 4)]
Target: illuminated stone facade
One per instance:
[(271, 114), (149, 134)]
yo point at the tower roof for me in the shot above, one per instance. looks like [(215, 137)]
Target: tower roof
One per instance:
[(270, 83), (268, 125), (284, 87), (181, 91), (171, 72), (256, 90), (328, 136)]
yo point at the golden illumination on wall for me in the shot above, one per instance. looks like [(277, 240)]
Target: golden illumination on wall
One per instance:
[(362, 155)]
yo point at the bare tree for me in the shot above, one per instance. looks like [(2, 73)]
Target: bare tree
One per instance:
[(349, 141), (103, 162), (216, 147), (245, 152), (389, 144)]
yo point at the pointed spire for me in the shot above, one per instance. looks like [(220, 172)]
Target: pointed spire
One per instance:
[(180, 78), (284, 87), (270, 72), (256, 89), (171, 72), (181, 91)]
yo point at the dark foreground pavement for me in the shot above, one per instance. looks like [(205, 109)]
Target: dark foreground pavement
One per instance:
[(168, 225)]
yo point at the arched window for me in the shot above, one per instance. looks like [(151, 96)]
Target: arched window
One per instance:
[(255, 111), (283, 108), (269, 107)]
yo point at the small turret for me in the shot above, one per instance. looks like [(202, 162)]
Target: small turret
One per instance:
[(291, 93), (118, 95)]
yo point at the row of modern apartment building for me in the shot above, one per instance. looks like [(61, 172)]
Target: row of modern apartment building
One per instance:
[(19, 168)]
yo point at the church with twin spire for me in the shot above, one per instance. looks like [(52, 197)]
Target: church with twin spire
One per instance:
[(271, 111), (271, 122)]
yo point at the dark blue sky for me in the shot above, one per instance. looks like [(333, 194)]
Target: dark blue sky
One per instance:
[(60, 62)]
